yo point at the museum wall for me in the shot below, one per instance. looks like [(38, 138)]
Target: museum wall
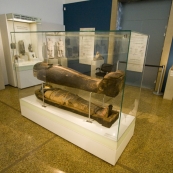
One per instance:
[(169, 65), (49, 11), (87, 14), (150, 17)]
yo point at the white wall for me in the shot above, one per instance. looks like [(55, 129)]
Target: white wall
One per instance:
[(48, 10)]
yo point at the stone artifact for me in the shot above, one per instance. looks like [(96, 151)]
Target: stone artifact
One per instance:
[(30, 48), (44, 51), (16, 58), (60, 48), (13, 45), (66, 100), (110, 85), (50, 48), (21, 47)]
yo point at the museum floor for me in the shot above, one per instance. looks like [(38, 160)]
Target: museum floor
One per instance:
[(26, 147)]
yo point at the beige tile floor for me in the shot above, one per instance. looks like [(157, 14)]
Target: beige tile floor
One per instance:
[(26, 147)]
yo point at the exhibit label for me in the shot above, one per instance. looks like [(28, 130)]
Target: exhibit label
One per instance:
[(86, 47), (137, 51)]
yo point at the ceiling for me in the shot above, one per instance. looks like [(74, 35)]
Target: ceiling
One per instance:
[(125, 1)]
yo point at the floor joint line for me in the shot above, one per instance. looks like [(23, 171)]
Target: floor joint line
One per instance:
[(9, 106), (27, 154)]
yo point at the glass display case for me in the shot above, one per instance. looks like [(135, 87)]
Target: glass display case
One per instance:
[(89, 88)]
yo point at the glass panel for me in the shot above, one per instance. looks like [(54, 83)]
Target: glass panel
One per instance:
[(84, 77), (134, 76)]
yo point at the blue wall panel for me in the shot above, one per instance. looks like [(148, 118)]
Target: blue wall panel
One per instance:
[(88, 14)]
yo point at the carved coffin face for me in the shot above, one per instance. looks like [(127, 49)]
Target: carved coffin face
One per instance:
[(39, 66)]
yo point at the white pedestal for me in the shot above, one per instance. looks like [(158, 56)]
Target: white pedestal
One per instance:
[(168, 94), (53, 61), (92, 137), (24, 73), (63, 61), (94, 65)]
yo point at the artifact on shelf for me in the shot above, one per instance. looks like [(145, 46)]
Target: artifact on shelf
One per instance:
[(110, 85), (30, 49), (98, 56), (21, 47), (50, 48), (16, 58), (72, 102), (13, 45)]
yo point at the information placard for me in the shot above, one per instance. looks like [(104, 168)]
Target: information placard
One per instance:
[(137, 50), (86, 50)]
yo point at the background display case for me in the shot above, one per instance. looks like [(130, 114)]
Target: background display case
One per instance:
[(96, 113), (17, 23)]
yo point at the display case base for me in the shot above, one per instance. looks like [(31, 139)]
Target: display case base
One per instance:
[(92, 137)]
